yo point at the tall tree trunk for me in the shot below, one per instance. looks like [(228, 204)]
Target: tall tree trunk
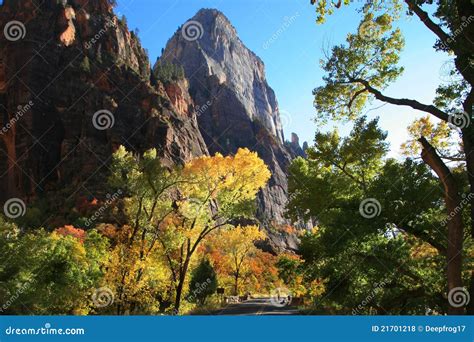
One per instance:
[(455, 224), (468, 142), (179, 288), (236, 283)]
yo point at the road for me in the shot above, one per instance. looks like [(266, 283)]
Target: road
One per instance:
[(257, 306)]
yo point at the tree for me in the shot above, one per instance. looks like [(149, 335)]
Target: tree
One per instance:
[(362, 69), (168, 72), (49, 273), (218, 190), (148, 188), (291, 271), (373, 218), (203, 282), (439, 135), (236, 246), (176, 210)]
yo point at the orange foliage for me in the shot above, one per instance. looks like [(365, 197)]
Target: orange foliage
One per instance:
[(84, 205), (108, 230), (71, 231)]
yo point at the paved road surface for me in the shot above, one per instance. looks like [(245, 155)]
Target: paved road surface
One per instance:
[(257, 306)]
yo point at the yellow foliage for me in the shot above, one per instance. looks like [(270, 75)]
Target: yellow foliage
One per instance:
[(233, 251), (239, 177)]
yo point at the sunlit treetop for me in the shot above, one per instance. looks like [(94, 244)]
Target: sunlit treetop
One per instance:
[(368, 60), (231, 181)]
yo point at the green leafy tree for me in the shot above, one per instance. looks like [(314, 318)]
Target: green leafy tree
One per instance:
[(49, 273), (168, 72), (380, 224), (203, 282), (367, 64)]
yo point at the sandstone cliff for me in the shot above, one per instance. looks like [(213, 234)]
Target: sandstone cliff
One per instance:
[(74, 59)]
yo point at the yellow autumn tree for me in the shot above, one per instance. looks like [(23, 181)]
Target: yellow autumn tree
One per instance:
[(171, 212), (217, 190), (234, 249)]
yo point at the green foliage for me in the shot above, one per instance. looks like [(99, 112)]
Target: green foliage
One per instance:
[(368, 62), (85, 65), (336, 170), (203, 283), (397, 256), (47, 273), (372, 56), (168, 72)]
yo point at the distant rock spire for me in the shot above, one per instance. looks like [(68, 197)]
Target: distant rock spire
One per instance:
[(208, 46)]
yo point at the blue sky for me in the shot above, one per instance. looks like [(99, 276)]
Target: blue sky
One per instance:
[(292, 59)]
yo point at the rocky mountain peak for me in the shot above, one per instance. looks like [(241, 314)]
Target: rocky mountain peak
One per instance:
[(208, 47), (214, 19), (295, 147)]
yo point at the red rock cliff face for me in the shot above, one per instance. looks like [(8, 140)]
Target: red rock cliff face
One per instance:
[(72, 60)]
